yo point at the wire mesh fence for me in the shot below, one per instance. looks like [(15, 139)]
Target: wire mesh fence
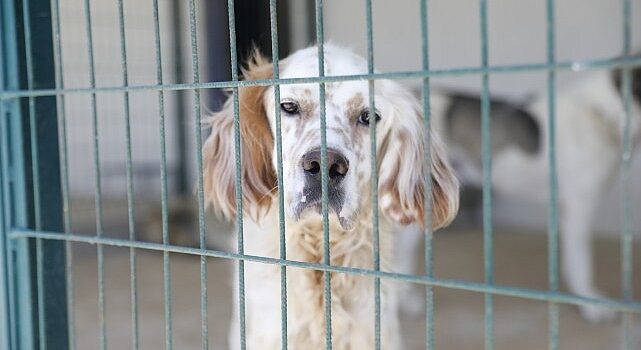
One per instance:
[(36, 220)]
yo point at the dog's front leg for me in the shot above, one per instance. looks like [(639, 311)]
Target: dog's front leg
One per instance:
[(576, 258), (412, 300)]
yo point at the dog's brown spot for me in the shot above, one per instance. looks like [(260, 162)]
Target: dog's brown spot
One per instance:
[(307, 108), (259, 177), (355, 105)]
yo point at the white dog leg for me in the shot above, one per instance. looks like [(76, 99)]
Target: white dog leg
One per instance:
[(577, 264), (412, 301), (233, 337)]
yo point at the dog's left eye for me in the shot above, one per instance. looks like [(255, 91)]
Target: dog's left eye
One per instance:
[(289, 107), (365, 117)]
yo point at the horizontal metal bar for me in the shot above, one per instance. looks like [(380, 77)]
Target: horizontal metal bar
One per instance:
[(525, 293), (576, 66)]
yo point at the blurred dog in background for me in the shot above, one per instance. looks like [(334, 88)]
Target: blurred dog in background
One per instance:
[(589, 116)]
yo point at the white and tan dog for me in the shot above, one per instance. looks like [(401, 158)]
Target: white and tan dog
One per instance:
[(400, 150), (588, 140)]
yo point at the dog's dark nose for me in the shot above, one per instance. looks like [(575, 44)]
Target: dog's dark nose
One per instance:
[(337, 165)]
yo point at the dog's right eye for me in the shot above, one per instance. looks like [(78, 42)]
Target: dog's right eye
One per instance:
[(289, 107)]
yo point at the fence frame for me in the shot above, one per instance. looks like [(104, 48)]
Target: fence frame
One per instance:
[(35, 301)]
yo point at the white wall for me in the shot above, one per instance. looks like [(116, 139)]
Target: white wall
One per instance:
[(517, 34), (144, 111)]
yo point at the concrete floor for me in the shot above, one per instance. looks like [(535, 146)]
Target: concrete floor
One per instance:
[(520, 260)]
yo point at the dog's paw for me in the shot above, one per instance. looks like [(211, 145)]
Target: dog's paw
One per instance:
[(412, 302), (597, 314)]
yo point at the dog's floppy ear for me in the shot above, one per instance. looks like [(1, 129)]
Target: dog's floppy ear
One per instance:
[(219, 161), (445, 186), (401, 171)]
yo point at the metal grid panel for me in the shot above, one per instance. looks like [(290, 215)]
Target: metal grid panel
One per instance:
[(15, 231)]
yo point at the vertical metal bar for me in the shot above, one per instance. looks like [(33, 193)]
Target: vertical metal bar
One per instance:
[(97, 189), (163, 184), (19, 306), (626, 185), (130, 180), (43, 153), (8, 318), (553, 228), (64, 170), (204, 317), (15, 308), (374, 185), (238, 184), (327, 295), (273, 21), (6, 336), (5, 315), (427, 169), (486, 137), (20, 291), (182, 185), (35, 175)]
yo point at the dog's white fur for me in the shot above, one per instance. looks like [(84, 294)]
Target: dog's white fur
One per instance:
[(400, 158), (588, 139)]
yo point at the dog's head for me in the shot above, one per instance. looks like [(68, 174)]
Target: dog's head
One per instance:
[(400, 146)]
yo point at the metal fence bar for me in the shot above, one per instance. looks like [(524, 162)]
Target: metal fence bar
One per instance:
[(486, 145), (238, 183), (427, 231), (164, 193), (43, 148), (64, 170), (374, 177), (327, 285), (35, 177), (573, 65), (524, 293), (180, 119), (553, 228), (6, 337), (20, 292), (273, 21), (97, 189), (195, 63), (7, 315), (627, 236), (7, 340), (133, 284)]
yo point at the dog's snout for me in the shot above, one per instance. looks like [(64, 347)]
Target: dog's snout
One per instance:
[(337, 167), (337, 164)]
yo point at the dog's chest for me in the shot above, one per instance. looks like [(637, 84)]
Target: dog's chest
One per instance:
[(352, 296), (305, 242)]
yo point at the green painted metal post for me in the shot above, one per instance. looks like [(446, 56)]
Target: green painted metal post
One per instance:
[(5, 333), (47, 183), (30, 191), (5, 317), (14, 253)]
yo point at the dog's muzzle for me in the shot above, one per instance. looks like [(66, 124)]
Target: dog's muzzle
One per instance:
[(337, 166)]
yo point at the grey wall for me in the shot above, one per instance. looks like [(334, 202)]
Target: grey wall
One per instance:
[(517, 34), (110, 106)]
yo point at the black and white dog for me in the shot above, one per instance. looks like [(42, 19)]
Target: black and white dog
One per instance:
[(588, 141)]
